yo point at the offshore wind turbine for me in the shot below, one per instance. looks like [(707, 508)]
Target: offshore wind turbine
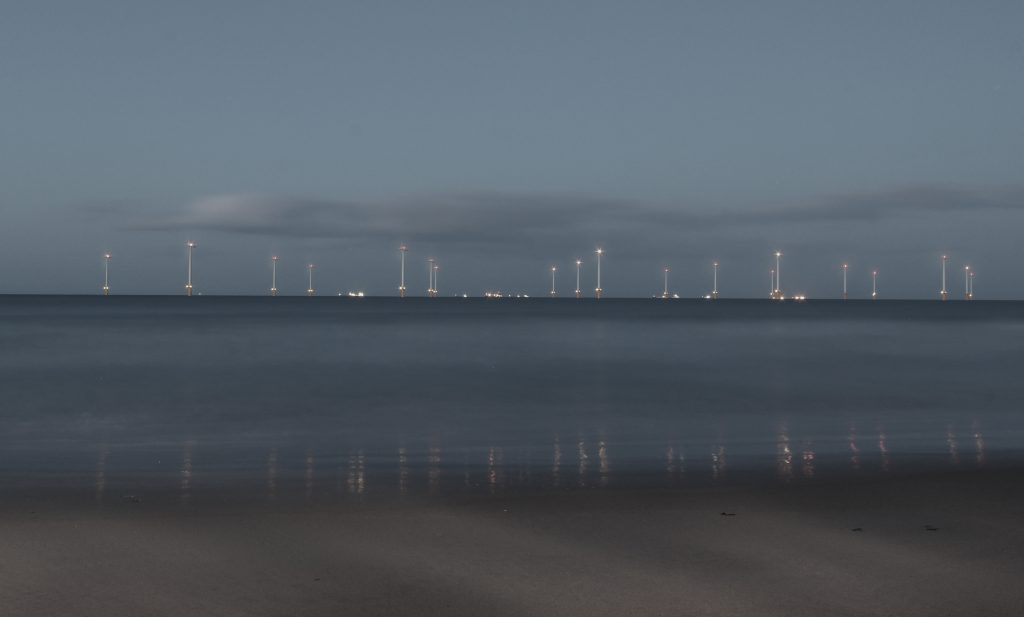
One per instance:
[(967, 282), (714, 281), (430, 277), (778, 275), (845, 268), (874, 284), (401, 285), (664, 292), (598, 291), (188, 284), (579, 263), (311, 291), (970, 287), (106, 273), (944, 294), (273, 275), (553, 292), (436, 268), (771, 283)]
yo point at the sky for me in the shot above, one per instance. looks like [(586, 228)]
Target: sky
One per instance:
[(506, 138)]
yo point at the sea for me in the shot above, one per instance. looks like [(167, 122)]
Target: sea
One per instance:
[(335, 399)]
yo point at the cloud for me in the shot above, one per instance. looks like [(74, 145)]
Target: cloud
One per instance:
[(903, 201), (511, 217), (471, 216)]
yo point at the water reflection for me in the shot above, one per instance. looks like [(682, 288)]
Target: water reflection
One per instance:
[(670, 464), (272, 473), (807, 461), (355, 480), (434, 470), (979, 447), (718, 463), (403, 472), (883, 451), (954, 449), (186, 472), (784, 456), (495, 477), (101, 473), (556, 464), (603, 465), (582, 458), (854, 450), (310, 472)]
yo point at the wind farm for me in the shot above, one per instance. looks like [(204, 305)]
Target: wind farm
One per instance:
[(776, 292)]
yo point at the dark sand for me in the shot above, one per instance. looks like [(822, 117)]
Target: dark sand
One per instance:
[(788, 550)]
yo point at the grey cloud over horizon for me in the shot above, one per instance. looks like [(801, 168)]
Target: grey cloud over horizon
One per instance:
[(508, 217)]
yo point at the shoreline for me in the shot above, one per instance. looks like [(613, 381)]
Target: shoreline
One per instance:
[(930, 544)]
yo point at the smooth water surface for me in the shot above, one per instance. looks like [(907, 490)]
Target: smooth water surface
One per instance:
[(323, 397)]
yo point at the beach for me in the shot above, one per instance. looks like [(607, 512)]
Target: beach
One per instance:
[(936, 544)]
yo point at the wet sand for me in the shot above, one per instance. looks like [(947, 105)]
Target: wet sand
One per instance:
[(944, 544)]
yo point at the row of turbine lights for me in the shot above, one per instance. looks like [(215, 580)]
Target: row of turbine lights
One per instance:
[(432, 271)]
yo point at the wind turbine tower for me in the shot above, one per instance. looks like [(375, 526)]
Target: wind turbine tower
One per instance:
[(874, 284), (579, 264), (273, 275), (553, 292), (944, 294), (845, 268), (436, 268), (431, 292), (664, 291), (401, 285), (188, 284), (106, 274), (777, 294), (311, 291), (714, 281), (598, 291), (967, 282)]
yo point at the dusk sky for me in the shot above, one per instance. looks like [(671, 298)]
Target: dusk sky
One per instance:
[(505, 138)]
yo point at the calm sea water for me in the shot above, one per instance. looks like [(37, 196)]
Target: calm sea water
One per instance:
[(335, 398)]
